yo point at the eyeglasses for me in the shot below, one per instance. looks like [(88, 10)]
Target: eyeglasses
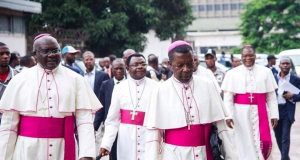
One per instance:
[(49, 51)]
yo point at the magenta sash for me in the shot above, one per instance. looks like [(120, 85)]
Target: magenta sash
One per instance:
[(47, 127), (198, 135), (259, 99), (126, 117)]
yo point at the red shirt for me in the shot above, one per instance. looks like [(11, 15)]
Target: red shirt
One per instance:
[(3, 76)]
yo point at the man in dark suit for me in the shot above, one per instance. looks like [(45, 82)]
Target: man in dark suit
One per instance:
[(93, 77), (118, 73), (271, 63), (287, 102)]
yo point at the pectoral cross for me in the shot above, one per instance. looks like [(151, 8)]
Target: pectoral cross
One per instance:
[(133, 114), (251, 98)]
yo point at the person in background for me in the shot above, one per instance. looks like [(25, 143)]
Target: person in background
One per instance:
[(26, 62), (235, 61), (127, 53), (153, 70), (6, 72), (271, 64), (286, 106), (210, 60), (68, 54), (14, 61), (107, 66), (93, 77), (166, 70)]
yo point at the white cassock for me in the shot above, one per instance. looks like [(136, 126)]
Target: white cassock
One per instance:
[(257, 80), (202, 71), (168, 111), (129, 95), (37, 93)]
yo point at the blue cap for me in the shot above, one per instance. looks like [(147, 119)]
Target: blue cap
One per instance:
[(69, 49)]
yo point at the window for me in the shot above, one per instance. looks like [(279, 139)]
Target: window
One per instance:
[(12, 24), (209, 7), (234, 6), (225, 6), (217, 7), (202, 8), (5, 24)]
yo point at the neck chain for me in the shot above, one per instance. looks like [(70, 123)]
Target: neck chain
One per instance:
[(137, 99), (187, 110)]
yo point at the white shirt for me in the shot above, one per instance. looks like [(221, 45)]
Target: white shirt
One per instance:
[(90, 77)]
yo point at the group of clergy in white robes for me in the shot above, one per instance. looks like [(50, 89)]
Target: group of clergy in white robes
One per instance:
[(172, 120)]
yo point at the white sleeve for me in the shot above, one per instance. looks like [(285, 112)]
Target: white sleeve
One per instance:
[(272, 105), (86, 135), (228, 99), (153, 144), (8, 134), (112, 122), (227, 136)]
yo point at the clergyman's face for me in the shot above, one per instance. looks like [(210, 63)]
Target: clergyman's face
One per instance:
[(182, 66), (137, 68), (248, 57), (4, 56), (48, 54)]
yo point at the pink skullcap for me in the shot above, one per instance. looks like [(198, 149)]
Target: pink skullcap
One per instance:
[(176, 44), (41, 35)]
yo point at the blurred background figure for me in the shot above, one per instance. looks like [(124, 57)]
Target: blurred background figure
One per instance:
[(235, 61), (27, 62), (153, 70), (127, 53), (107, 66), (14, 61), (68, 54), (271, 64), (210, 60), (166, 71)]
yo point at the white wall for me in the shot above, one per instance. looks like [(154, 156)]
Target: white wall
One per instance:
[(156, 46), (15, 42)]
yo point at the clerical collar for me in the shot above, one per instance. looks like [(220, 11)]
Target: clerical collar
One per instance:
[(47, 70), (184, 84), (137, 82), (250, 68)]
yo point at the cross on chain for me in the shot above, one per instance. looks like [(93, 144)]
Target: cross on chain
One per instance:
[(133, 114), (251, 98)]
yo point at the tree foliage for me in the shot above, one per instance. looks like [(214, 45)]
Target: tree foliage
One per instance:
[(271, 25), (114, 25)]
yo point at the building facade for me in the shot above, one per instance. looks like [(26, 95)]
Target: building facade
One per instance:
[(12, 22), (216, 24)]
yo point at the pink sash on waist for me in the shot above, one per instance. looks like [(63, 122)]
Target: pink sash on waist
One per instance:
[(198, 135), (131, 117), (259, 99), (47, 127)]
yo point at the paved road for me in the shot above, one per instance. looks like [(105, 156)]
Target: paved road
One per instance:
[(295, 138)]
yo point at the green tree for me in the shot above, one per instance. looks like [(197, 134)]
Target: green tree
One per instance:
[(114, 25), (271, 25)]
